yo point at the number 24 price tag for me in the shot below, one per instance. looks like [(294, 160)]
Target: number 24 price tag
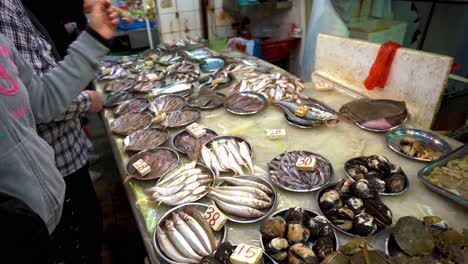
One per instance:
[(215, 218)]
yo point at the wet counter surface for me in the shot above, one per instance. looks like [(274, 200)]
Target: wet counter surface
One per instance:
[(338, 144)]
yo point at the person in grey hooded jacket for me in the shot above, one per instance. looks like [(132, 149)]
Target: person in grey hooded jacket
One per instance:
[(27, 167)]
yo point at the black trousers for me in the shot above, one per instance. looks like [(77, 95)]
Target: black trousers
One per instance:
[(77, 238)]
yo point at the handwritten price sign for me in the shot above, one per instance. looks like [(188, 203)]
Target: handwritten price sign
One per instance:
[(276, 133), (215, 218), (142, 167), (196, 130), (301, 111), (151, 76), (306, 163), (324, 85), (246, 254)]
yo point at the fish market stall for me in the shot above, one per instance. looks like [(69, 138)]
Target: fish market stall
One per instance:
[(260, 136)]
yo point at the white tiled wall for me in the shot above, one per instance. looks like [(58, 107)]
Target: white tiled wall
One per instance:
[(189, 21)]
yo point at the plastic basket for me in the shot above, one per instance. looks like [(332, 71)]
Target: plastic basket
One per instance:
[(277, 49)]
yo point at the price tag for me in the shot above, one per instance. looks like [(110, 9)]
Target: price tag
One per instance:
[(149, 63), (196, 130), (301, 111), (276, 133), (151, 76), (142, 167), (215, 218), (306, 163), (324, 85), (246, 254)]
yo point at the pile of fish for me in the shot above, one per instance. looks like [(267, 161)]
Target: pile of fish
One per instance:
[(273, 86), (186, 237), (153, 75), (181, 118), (191, 145), (245, 103), (188, 77), (119, 85), (132, 105), (147, 86), (227, 155), (145, 139), (372, 114), (160, 160), (115, 98), (183, 71), (167, 104), (247, 71), (318, 113), (282, 171), (217, 80), (189, 40), (242, 197), (169, 59), (185, 184), (130, 122), (111, 72), (206, 99)]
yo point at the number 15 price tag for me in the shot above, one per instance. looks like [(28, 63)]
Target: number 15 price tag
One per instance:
[(246, 254), (215, 218)]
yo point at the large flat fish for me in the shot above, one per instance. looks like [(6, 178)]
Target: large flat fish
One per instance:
[(362, 110)]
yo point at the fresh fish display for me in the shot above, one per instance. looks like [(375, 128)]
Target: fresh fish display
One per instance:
[(354, 208), (273, 86), (150, 54), (181, 117), (142, 66), (243, 70), (132, 105), (283, 172), (120, 85), (115, 98), (169, 59), (386, 177), (167, 104), (188, 144), (206, 99), (184, 236), (126, 59), (297, 235), (180, 67), (243, 198), (152, 75), (145, 139), (228, 154), (147, 86), (111, 72), (185, 184), (160, 160), (180, 88), (197, 54), (217, 80), (245, 103), (378, 115), (317, 115), (188, 77), (131, 122)]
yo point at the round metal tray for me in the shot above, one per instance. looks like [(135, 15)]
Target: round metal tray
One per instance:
[(383, 130), (430, 140), (383, 193), (185, 132), (220, 95), (243, 220), (187, 122), (319, 194), (211, 64), (108, 99), (181, 100), (137, 110), (220, 235), (126, 133), (248, 94), (282, 213), (127, 139), (137, 157), (320, 158)]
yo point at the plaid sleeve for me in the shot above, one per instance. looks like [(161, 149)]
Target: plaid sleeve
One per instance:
[(80, 105)]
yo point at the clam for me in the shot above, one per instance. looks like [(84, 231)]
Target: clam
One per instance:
[(280, 256), (377, 184), (342, 217), (330, 199), (300, 253), (319, 227), (344, 186), (323, 246), (224, 252), (273, 227), (364, 224)]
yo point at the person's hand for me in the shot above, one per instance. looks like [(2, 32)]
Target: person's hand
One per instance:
[(96, 101), (103, 18), (126, 17)]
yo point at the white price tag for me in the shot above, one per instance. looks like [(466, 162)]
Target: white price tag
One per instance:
[(276, 133), (324, 85), (196, 130), (246, 254), (142, 167), (215, 218), (306, 163), (151, 76)]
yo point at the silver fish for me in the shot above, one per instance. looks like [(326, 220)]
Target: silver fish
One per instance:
[(238, 210), (242, 182), (247, 189), (166, 190), (168, 248), (189, 235), (202, 229), (316, 116), (245, 153), (177, 171), (237, 199), (230, 192), (179, 241), (173, 88)]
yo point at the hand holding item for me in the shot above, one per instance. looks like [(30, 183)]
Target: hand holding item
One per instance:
[(96, 101), (103, 18)]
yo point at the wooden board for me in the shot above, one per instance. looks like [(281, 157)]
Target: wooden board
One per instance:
[(416, 77)]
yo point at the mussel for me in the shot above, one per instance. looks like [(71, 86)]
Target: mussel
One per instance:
[(319, 227), (358, 172), (355, 204)]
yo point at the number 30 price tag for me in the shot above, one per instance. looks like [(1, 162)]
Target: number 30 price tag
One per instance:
[(306, 163), (215, 218), (246, 254)]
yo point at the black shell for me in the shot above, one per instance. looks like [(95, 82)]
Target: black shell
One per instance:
[(209, 260), (273, 227), (364, 224), (357, 172), (344, 186), (363, 190), (355, 204), (377, 184), (378, 210), (330, 199), (341, 217), (224, 252), (319, 227), (294, 215), (395, 183), (296, 233), (378, 163), (323, 246)]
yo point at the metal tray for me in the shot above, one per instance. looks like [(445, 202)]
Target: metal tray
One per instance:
[(197, 54), (248, 94), (183, 132), (243, 220), (319, 194), (220, 95), (137, 157), (127, 139), (124, 103), (320, 158), (126, 133), (384, 130), (384, 193), (461, 151), (187, 122), (222, 139), (211, 64), (282, 213), (220, 235), (432, 141), (109, 99)]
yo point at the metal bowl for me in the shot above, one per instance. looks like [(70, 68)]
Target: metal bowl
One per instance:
[(246, 94), (118, 109), (126, 140), (220, 235), (209, 107), (431, 141), (185, 132), (320, 158), (126, 133), (198, 115), (211, 64), (319, 194), (384, 193), (129, 169), (282, 213), (384, 130), (243, 220)]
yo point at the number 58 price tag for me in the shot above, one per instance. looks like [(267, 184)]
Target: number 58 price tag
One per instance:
[(246, 254), (215, 218)]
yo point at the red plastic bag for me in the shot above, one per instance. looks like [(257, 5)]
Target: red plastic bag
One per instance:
[(378, 73)]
